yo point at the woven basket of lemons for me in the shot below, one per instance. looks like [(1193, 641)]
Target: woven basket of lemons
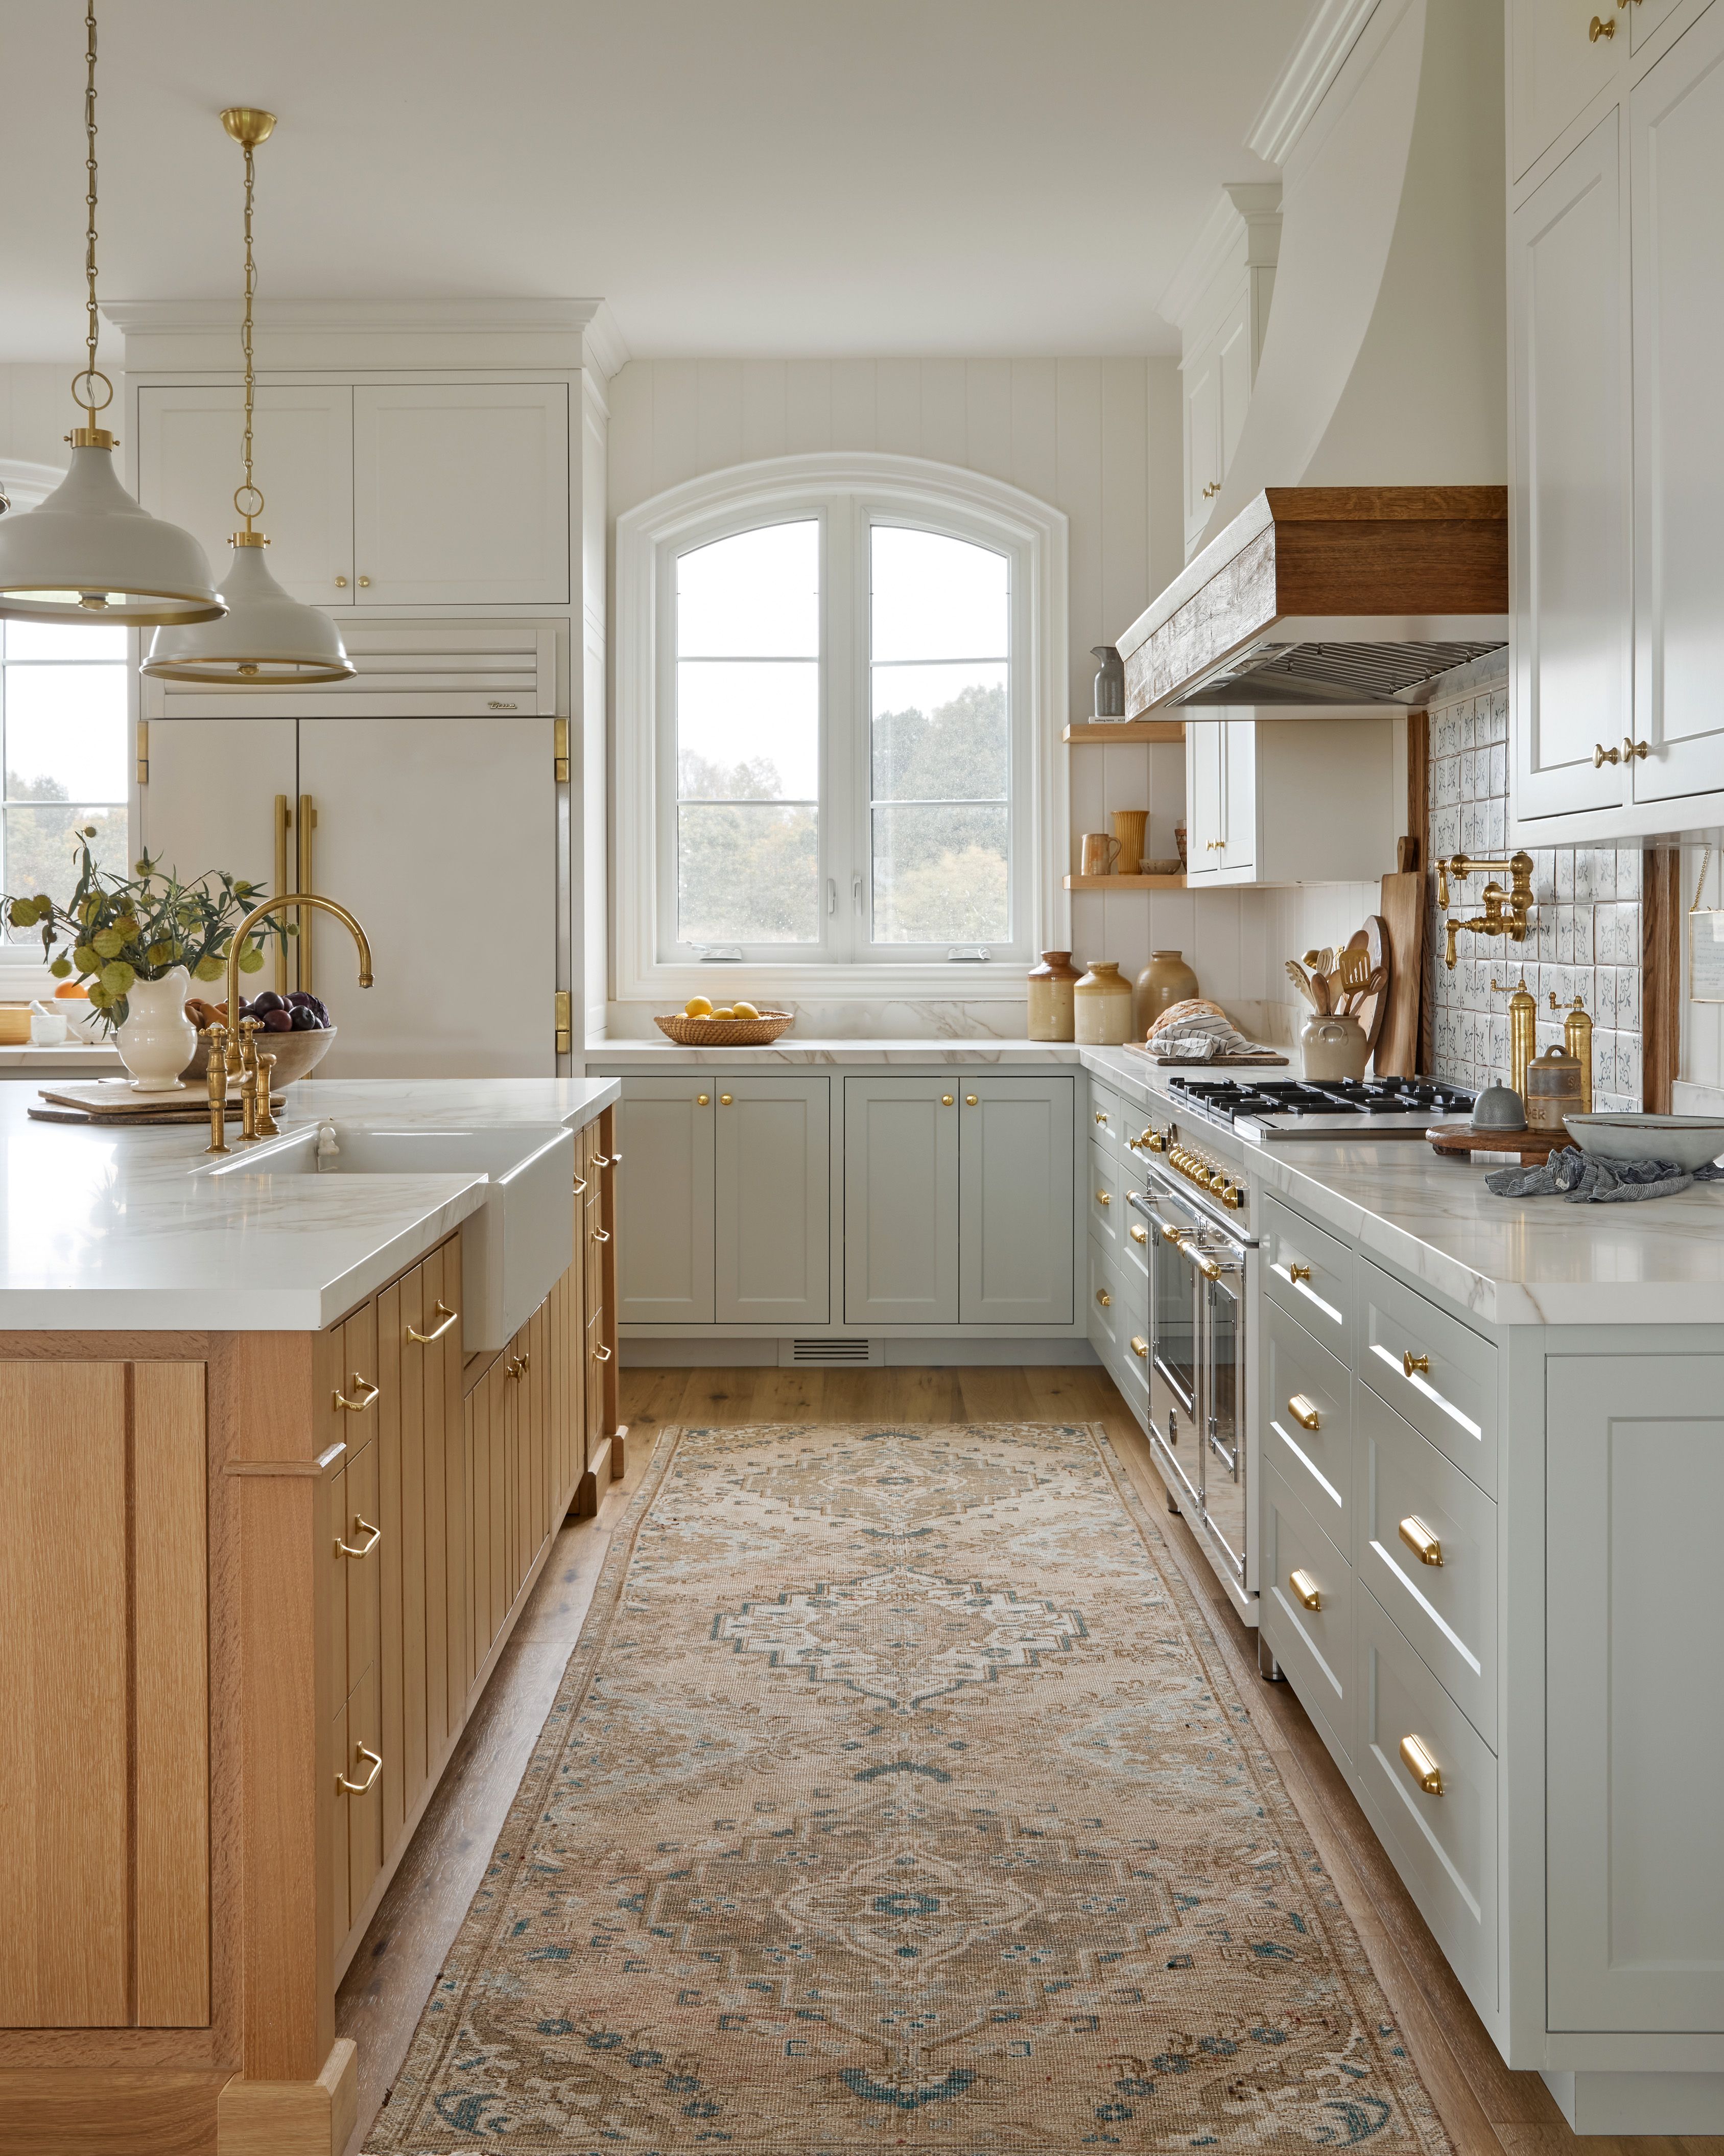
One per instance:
[(730, 1025)]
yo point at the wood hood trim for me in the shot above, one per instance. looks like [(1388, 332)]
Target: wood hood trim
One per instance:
[(1317, 555)]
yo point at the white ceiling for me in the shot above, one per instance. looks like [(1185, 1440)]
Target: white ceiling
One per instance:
[(786, 176)]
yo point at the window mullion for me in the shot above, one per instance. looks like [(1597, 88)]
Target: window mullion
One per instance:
[(837, 807)]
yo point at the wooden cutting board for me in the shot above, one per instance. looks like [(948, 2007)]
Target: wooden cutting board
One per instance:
[(1404, 921)]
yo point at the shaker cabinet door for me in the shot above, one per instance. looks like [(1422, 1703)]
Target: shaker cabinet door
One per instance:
[(901, 1201), (773, 1235), (1205, 765), (1676, 152), (189, 463), (664, 1226), (1569, 502), (1015, 1191), (461, 493)]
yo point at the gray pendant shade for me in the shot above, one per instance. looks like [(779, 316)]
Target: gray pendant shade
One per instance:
[(90, 553), (266, 638)]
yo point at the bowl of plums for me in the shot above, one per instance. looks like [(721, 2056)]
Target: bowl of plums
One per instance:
[(293, 1027)]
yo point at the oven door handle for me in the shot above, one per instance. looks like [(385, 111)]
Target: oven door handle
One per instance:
[(1207, 1263), (1170, 1231)]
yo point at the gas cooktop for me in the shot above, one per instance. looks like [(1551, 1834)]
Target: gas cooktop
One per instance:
[(1305, 1108)]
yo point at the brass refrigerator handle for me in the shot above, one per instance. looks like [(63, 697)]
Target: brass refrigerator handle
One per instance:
[(284, 824), (308, 824)]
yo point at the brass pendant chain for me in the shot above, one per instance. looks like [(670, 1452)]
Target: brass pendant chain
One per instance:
[(83, 384), (247, 489)]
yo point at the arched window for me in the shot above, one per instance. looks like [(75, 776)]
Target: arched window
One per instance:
[(831, 678)]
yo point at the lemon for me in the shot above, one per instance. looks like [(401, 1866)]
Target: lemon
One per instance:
[(724, 1010), (697, 1007), (744, 1011)]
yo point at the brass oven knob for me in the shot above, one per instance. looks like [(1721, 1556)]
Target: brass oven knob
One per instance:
[(1233, 1197), (1217, 1183)]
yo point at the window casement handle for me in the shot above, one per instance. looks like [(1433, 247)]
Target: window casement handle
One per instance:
[(832, 894), (856, 891), (445, 1317)]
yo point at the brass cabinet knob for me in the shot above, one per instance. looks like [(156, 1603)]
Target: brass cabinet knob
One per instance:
[(373, 1765), (970, 1099), (373, 1535), (1303, 1412), (1100, 1117), (341, 583), (1104, 1198), (1140, 1346), (1211, 489), (445, 1317), (1632, 748), (1596, 29), (948, 1099), (367, 1393), (364, 584), (1601, 755), (724, 1100), (1306, 1591), (1104, 1298), (1410, 1362), (703, 1100), (1215, 846), (1419, 1538), (1297, 1273), (1420, 1765), (1139, 1234)]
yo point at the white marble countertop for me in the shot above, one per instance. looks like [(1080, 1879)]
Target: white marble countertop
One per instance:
[(662, 1054), (110, 1230)]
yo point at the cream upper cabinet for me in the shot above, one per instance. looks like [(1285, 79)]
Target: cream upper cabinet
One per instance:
[(1203, 464), (1291, 800), (1556, 68), (1219, 300), (1569, 503), (1676, 174), (189, 464), (461, 493)]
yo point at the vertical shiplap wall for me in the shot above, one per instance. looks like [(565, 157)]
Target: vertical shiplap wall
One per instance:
[(1701, 1090), (1073, 432)]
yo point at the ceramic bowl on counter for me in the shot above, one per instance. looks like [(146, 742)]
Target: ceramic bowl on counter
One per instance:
[(1690, 1141)]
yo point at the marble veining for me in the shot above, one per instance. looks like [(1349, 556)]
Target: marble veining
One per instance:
[(661, 1055), (111, 1228)]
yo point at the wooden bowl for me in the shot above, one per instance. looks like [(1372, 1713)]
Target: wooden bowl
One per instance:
[(726, 1031), (295, 1054)]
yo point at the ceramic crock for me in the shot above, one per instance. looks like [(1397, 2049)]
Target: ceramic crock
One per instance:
[(157, 1039), (1102, 1002), (1333, 1047), (1165, 980), (1051, 1014)]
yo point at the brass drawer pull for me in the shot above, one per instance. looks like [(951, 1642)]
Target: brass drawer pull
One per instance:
[(1419, 1538), (1306, 1591), (606, 1159), (519, 1365), (1104, 1298), (1297, 1273), (445, 1317), (366, 1391), (1140, 1347), (601, 1354), (1104, 1198), (1303, 1412), (1420, 1765), (1410, 1362), (373, 1769), (601, 1235), (1139, 1234), (580, 1186), (374, 1536)]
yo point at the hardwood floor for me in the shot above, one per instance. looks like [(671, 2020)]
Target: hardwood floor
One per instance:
[(1488, 2110)]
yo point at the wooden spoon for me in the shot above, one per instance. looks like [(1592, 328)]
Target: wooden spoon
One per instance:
[(1301, 981)]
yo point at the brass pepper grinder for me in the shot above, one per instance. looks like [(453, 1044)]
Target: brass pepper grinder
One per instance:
[(1523, 1033), (1577, 1039), (216, 1080)]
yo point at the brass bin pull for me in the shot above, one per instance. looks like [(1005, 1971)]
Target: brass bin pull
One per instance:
[(1410, 1362), (373, 1536), (445, 1317), (1140, 1347), (1306, 1591), (367, 1393), (601, 1354), (1303, 1412), (374, 1767), (1297, 1273), (601, 1235), (1420, 1765), (1425, 1546)]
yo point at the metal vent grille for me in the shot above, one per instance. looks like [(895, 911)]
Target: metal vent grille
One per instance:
[(1333, 673), (832, 1354)]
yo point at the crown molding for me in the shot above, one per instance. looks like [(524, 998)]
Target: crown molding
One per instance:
[(1242, 230), (312, 334), (607, 352), (1328, 37)]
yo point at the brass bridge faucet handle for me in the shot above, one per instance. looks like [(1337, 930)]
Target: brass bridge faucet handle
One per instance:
[(216, 1085), (249, 1028)]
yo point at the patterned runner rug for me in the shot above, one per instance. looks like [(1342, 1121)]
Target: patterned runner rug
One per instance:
[(897, 1797)]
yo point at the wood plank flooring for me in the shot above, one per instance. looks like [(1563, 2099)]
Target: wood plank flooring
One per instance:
[(1488, 2110)]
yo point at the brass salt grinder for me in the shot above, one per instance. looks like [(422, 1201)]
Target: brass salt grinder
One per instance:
[(1523, 1033), (1577, 1039)]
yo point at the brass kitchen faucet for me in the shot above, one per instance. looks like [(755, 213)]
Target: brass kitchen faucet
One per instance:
[(1505, 911), (241, 1055)]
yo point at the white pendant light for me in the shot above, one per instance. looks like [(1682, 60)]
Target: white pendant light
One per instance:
[(89, 552), (267, 637)]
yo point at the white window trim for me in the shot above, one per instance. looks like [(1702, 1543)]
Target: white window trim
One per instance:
[(912, 487)]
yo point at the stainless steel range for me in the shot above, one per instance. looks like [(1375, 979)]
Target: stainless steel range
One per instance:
[(1273, 1109)]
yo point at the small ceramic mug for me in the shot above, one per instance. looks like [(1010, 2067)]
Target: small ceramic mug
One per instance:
[(1100, 851)]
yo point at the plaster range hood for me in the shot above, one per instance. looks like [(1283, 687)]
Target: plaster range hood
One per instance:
[(1327, 597), (1358, 546)]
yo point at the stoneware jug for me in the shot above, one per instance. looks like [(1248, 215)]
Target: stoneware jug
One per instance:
[(1103, 1005), (157, 1039), (1333, 1047), (1051, 1014), (1165, 980)]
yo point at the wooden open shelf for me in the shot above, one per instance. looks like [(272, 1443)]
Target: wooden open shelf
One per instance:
[(1120, 731), (1124, 883)]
